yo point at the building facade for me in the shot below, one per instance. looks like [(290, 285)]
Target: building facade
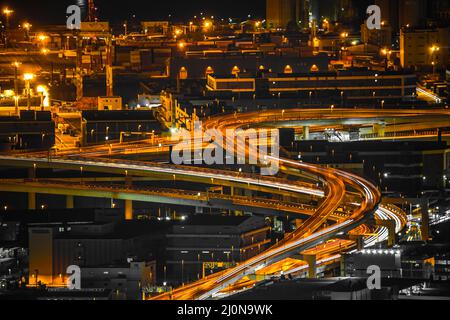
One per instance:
[(345, 85), (205, 244), (424, 47), (280, 13)]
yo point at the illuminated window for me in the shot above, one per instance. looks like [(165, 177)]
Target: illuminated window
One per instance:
[(183, 73), (288, 69), (235, 71), (314, 68)]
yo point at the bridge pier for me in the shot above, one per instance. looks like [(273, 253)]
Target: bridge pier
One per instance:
[(312, 269), (31, 201), (425, 222), (379, 129), (359, 239), (390, 225), (306, 133), (198, 210), (32, 195), (342, 266), (69, 202), (128, 203)]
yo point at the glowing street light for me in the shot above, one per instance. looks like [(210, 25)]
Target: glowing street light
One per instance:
[(7, 12), (27, 26), (125, 28), (42, 37), (433, 50), (44, 93), (27, 77), (207, 24), (16, 65), (178, 32)]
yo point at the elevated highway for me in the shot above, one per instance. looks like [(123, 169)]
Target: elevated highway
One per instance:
[(338, 188)]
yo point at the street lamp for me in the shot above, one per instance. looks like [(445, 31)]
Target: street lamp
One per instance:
[(16, 66), (387, 53), (177, 33), (42, 37), (207, 25), (433, 50), (7, 12), (27, 26), (43, 93), (125, 28), (27, 77)]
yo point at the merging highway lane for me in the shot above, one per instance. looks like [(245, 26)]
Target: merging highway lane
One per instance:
[(338, 187)]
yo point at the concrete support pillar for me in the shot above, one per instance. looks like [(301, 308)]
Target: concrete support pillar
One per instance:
[(312, 270), (128, 210), (391, 231), (83, 139), (342, 266), (425, 223), (379, 129), (198, 210), (360, 243), (31, 201), (128, 203), (69, 202), (32, 195), (305, 133), (390, 225), (359, 239)]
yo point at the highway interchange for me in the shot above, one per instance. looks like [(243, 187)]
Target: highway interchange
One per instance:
[(320, 234)]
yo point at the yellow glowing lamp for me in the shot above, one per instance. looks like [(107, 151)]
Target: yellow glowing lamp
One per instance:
[(7, 11), (42, 37), (8, 93), (28, 76)]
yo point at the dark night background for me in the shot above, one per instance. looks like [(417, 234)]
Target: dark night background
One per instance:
[(53, 11)]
